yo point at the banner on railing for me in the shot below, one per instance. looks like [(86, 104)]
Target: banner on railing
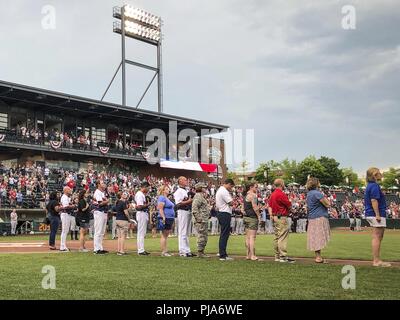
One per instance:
[(2, 137), (55, 144), (187, 165), (104, 150)]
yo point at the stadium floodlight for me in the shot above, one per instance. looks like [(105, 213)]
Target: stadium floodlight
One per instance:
[(143, 26)]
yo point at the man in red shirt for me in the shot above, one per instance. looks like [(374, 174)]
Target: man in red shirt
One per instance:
[(279, 207)]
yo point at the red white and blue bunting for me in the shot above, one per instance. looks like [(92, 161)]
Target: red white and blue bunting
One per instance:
[(55, 144), (104, 150), (146, 155)]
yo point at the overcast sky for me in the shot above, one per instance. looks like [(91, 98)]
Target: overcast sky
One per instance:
[(286, 69)]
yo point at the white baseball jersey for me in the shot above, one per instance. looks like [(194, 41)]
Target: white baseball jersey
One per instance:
[(65, 202), (140, 199), (180, 194)]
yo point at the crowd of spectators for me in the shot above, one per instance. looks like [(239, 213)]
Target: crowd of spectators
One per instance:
[(29, 188), (72, 140)]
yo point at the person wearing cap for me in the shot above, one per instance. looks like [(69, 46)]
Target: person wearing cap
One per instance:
[(223, 203), (201, 214), (279, 206)]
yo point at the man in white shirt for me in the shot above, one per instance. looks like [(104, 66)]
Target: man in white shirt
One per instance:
[(66, 217), (183, 202), (223, 204), (46, 172), (14, 222), (142, 217), (100, 202)]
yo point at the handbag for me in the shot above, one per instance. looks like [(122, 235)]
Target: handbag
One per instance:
[(160, 224)]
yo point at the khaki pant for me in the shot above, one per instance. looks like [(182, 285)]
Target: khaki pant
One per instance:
[(281, 230)]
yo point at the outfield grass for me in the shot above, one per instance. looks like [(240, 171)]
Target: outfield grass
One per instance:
[(86, 276), (343, 245)]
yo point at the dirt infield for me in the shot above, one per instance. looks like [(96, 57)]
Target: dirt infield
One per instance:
[(28, 247), (43, 247)]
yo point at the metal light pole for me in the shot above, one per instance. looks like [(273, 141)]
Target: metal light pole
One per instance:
[(123, 56), (159, 77), (142, 26)]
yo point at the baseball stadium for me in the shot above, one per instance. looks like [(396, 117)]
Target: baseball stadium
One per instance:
[(109, 201)]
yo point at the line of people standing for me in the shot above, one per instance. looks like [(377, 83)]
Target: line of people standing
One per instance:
[(187, 206)]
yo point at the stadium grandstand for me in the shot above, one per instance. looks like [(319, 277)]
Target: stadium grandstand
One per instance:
[(47, 129)]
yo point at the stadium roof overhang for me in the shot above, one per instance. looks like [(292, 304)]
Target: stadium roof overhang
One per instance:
[(64, 104)]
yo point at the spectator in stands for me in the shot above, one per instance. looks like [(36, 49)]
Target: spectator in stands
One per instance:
[(13, 197), (214, 220), (19, 199), (318, 233), (375, 212), (279, 206), (251, 218), (52, 210), (14, 222), (165, 217)]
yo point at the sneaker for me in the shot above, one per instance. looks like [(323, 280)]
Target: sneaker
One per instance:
[(277, 260), (191, 255), (166, 254), (226, 259), (104, 251), (382, 264), (64, 250), (287, 260), (52, 248), (121, 253), (98, 252), (83, 250), (202, 255), (144, 253)]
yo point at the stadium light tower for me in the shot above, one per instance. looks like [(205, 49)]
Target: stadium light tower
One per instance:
[(143, 26)]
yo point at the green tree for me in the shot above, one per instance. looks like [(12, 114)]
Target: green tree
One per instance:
[(233, 176), (270, 169), (243, 168), (332, 175), (389, 178), (289, 170), (354, 180), (310, 166)]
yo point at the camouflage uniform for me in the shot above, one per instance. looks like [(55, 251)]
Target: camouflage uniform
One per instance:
[(201, 213)]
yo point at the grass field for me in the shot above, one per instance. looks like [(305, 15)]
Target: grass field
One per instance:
[(85, 276)]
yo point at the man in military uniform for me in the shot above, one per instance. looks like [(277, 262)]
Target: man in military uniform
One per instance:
[(201, 214)]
